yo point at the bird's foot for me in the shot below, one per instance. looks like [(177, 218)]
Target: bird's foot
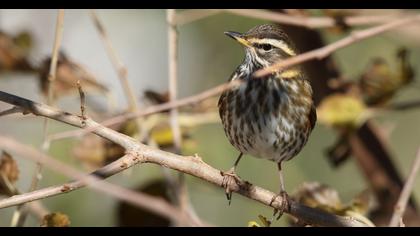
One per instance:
[(229, 177), (284, 204)]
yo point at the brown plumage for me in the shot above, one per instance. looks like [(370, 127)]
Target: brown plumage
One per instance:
[(271, 117)]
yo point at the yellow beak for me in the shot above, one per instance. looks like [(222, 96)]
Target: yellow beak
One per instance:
[(238, 37)]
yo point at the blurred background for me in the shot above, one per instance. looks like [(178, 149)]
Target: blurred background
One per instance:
[(206, 59)]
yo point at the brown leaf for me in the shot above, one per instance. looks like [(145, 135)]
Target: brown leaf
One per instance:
[(95, 152), (55, 219), (8, 167), (67, 75), (14, 52)]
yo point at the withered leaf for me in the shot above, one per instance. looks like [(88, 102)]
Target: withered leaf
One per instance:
[(55, 219)]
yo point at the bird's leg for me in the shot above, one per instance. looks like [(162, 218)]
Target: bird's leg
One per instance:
[(283, 194), (229, 176)]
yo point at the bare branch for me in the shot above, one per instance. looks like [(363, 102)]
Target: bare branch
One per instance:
[(401, 205), (153, 204), (82, 102), (188, 16), (20, 214), (312, 22), (192, 165), (321, 53), (194, 99), (54, 57), (120, 69), (12, 110), (173, 75), (36, 208), (403, 106), (180, 189)]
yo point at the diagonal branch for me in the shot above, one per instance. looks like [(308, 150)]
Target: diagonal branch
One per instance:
[(194, 99), (120, 69), (321, 53), (311, 22), (192, 165), (188, 16), (12, 110), (405, 193), (156, 205)]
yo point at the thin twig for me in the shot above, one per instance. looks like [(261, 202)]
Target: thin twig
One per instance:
[(403, 106), (312, 22), (36, 208), (192, 165), (321, 53), (180, 189), (82, 103), (19, 215), (51, 78), (194, 99), (173, 75), (188, 16), (405, 193), (10, 111), (121, 71)]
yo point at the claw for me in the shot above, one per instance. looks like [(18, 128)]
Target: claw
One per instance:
[(284, 204), (228, 177)]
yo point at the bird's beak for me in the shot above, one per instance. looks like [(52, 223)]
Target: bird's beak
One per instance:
[(238, 37)]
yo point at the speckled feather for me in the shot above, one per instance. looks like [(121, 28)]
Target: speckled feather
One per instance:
[(269, 118)]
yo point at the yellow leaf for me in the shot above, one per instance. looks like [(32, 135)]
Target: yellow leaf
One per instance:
[(340, 110), (253, 224)]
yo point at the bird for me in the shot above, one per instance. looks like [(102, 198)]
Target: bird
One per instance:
[(270, 117)]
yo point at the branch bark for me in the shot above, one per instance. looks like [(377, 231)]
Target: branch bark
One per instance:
[(20, 214), (405, 193), (312, 22), (120, 69), (192, 165), (194, 99)]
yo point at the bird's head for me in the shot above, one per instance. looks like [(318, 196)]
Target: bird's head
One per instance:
[(264, 44)]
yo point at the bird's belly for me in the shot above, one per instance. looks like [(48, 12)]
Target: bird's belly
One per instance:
[(263, 120), (273, 138)]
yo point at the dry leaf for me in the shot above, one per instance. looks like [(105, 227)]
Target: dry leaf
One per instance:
[(55, 219), (9, 168), (67, 75), (14, 52)]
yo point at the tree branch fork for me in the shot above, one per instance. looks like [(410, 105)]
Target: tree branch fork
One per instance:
[(140, 153)]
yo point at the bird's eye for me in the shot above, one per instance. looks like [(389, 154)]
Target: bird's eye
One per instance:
[(266, 47)]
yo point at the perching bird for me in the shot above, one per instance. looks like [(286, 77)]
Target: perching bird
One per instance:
[(269, 117), (67, 75)]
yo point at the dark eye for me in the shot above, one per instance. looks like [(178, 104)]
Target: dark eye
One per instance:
[(266, 47)]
